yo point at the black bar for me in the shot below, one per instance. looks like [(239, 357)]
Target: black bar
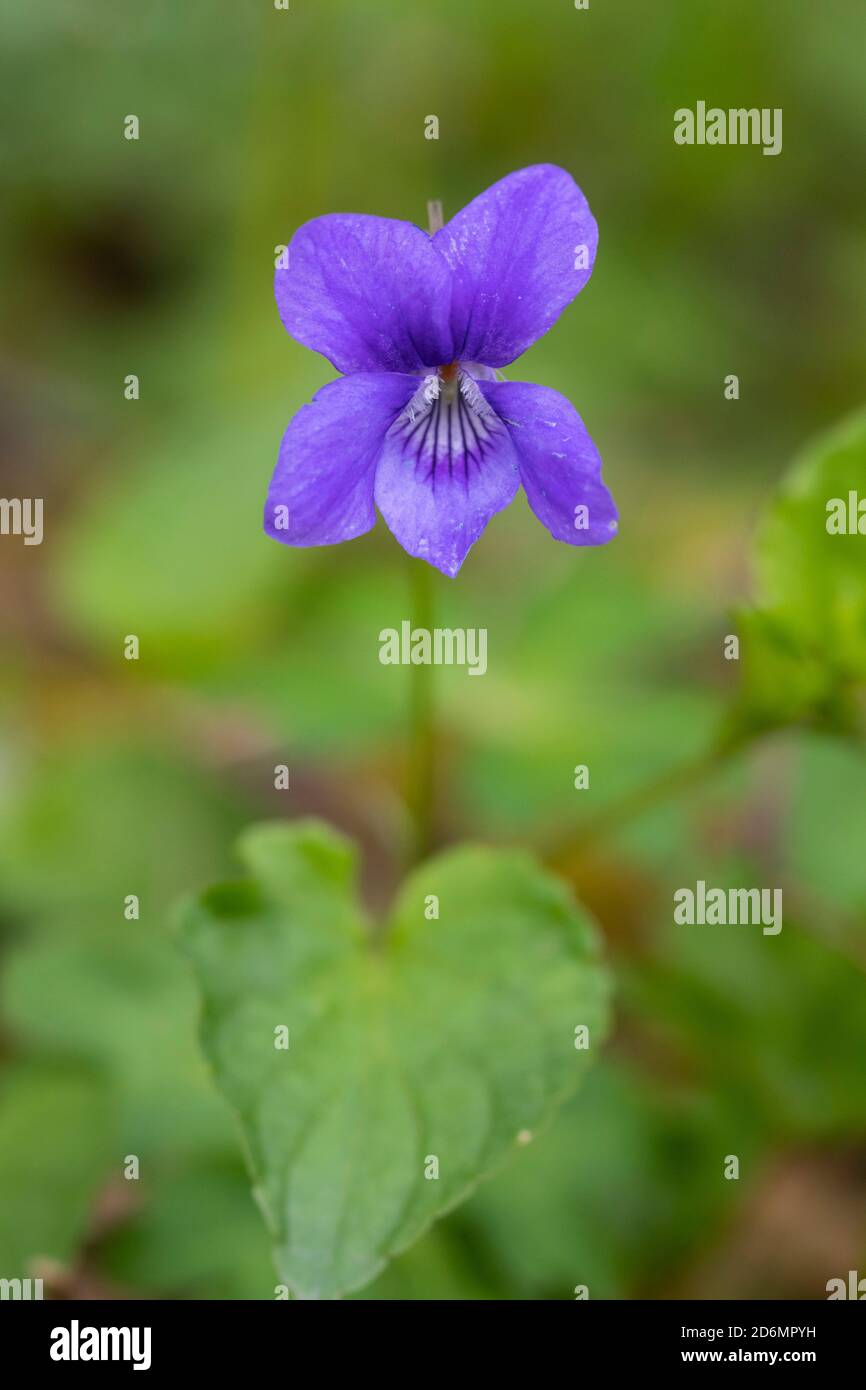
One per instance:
[(254, 1338)]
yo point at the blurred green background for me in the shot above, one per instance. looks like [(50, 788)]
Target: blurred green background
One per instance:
[(156, 258)]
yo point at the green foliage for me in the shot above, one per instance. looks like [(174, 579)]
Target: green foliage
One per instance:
[(775, 1024), (172, 515), (826, 824), (56, 1146), (627, 1185), (805, 638), (156, 258), (107, 816), (437, 1040), (122, 1002), (195, 1234)]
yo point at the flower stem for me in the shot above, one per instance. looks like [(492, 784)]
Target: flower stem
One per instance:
[(422, 761), (435, 216), (647, 797), (421, 790)]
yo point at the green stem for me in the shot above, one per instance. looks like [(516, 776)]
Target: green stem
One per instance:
[(645, 798), (435, 216), (421, 791)]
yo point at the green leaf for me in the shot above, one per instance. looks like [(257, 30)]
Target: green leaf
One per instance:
[(122, 1002), (195, 1234), (439, 1039), (86, 824), (777, 1024), (58, 1149), (805, 640), (140, 557), (627, 1185), (825, 823), (439, 1268)]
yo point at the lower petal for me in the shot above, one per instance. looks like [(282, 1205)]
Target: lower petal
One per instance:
[(322, 489), (560, 467), (447, 467)]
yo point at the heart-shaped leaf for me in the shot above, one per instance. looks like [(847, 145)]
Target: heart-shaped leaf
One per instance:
[(417, 1057)]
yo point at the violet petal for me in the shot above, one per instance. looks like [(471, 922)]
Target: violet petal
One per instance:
[(560, 467), (447, 466), (321, 492), (369, 293), (517, 252)]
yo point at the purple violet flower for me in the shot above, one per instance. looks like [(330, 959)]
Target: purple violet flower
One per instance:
[(419, 424)]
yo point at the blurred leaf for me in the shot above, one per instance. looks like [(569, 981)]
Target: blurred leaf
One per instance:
[(90, 823), (777, 1021), (805, 640), (444, 1041), (825, 828), (438, 1268), (621, 1190), (174, 551), (56, 1148), (121, 1000), (589, 664), (197, 1234)]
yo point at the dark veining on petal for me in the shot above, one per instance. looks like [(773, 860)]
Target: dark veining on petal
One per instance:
[(423, 444), (463, 439), (451, 427)]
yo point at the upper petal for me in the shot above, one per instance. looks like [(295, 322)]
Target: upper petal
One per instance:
[(369, 293), (447, 466), (560, 467), (322, 489), (520, 252)]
